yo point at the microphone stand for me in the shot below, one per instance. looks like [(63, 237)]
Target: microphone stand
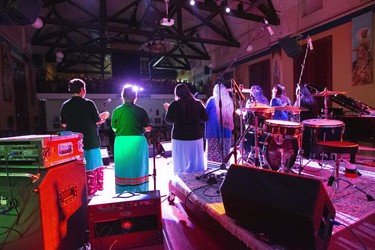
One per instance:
[(227, 157), (223, 164), (299, 80), (298, 87), (154, 157)]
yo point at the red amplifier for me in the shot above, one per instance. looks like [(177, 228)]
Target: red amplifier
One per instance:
[(40, 151), (125, 221)]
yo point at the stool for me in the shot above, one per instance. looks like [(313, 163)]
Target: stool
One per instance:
[(339, 148)]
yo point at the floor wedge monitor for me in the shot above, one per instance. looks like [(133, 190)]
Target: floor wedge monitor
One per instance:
[(287, 209)]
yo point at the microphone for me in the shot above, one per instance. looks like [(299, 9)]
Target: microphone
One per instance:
[(237, 89), (106, 101), (268, 26), (309, 42), (253, 99)]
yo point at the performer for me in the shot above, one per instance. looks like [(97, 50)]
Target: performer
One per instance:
[(256, 95), (219, 132), (129, 122), (257, 98), (81, 115), (305, 100), (279, 98), (186, 114)]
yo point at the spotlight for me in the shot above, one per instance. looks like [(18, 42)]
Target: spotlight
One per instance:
[(249, 48), (38, 24), (192, 2), (59, 55), (224, 4)]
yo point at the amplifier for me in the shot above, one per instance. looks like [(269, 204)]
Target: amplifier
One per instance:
[(40, 151), (126, 221)]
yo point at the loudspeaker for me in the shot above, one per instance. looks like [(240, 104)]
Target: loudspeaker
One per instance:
[(207, 70), (166, 149), (290, 46), (48, 209), (290, 210), (125, 221), (18, 12), (105, 155)]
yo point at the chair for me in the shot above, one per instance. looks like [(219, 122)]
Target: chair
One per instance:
[(338, 148)]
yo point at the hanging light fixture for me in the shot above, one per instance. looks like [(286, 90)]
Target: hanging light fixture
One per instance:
[(38, 24), (157, 46)]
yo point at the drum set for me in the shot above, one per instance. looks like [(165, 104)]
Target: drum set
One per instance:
[(276, 144)]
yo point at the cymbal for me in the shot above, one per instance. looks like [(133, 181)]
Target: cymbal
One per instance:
[(243, 90), (264, 109), (327, 92), (290, 108)]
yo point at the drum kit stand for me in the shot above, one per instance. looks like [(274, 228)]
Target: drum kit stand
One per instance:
[(279, 131), (255, 157)]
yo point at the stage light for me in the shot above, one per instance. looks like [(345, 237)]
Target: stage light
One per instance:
[(59, 55), (38, 24), (225, 5), (134, 87), (192, 2), (249, 48)]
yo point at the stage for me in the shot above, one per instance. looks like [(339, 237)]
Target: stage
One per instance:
[(352, 207)]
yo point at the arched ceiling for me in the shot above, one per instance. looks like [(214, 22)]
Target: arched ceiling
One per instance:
[(89, 31)]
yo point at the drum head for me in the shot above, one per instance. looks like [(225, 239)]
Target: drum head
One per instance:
[(317, 123), (273, 156), (283, 123)]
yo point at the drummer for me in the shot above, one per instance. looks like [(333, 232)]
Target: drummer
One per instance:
[(304, 99), (256, 96), (257, 99), (279, 98)]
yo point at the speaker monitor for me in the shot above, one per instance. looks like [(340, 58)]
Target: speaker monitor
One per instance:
[(125, 221), (292, 210), (105, 155), (19, 12), (290, 46), (49, 212), (167, 149)]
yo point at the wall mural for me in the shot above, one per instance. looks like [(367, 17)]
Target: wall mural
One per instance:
[(362, 50)]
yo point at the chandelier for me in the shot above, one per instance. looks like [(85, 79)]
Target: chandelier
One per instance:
[(157, 46)]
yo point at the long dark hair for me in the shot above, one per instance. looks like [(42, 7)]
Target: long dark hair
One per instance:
[(182, 91), (189, 112), (306, 97), (281, 93)]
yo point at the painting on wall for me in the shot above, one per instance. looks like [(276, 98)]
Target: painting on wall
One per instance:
[(362, 49), (276, 71)]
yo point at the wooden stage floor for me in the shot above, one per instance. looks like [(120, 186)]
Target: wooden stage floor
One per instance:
[(193, 229)]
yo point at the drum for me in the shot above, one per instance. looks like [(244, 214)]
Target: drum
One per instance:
[(316, 130), (262, 117), (273, 155), (286, 128)]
